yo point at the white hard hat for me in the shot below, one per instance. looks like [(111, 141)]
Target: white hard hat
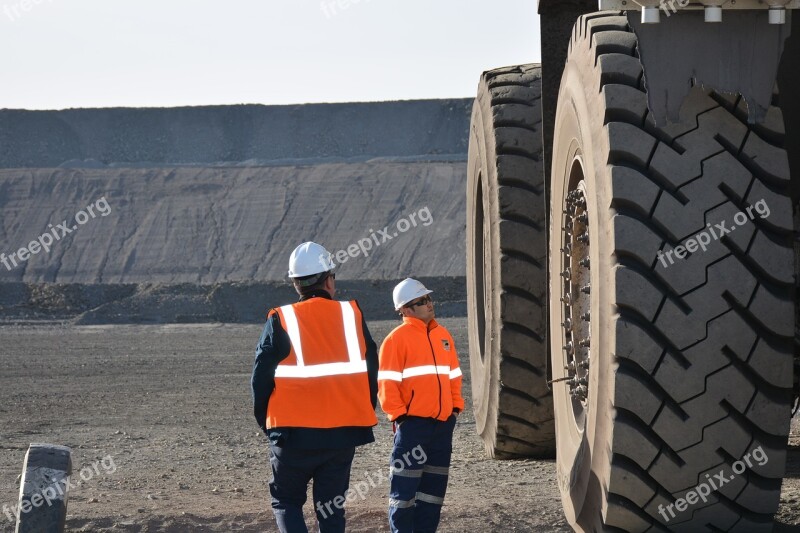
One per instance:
[(308, 259), (406, 291)]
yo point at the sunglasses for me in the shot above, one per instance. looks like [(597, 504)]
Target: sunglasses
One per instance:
[(419, 303)]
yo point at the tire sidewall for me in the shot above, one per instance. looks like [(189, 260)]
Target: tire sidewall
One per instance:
[(578, 451), (485, 370)]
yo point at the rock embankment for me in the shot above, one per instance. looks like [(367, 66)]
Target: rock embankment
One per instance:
[(230, 302), (212, 225), (232, 134)]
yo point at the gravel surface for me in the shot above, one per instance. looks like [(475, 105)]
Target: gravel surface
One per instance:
[(171, 405)]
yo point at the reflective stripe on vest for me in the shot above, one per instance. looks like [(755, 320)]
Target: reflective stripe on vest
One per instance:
[(356, 365), (415, 371), (322, 382)]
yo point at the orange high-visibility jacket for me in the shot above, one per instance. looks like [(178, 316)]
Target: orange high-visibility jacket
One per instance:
[(323, 382), (419, 373)]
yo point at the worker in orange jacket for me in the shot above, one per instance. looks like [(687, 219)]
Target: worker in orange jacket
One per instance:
[(419, 388), (314, 393)]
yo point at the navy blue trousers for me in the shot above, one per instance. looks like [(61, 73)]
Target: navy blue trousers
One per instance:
[(419, 472), (292, 470)]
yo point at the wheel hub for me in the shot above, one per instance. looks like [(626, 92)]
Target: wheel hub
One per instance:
[(576, 300)]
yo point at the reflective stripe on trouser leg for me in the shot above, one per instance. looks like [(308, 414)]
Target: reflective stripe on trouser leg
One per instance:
[(402, 504), (441, 470), (403, 496), (430, 498), (406, 473), (433, 485), (427, 498)]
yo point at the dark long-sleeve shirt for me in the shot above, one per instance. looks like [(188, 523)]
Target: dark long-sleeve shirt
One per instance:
[(273, 347)]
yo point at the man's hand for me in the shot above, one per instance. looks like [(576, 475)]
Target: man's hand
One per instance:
[(397, 422)]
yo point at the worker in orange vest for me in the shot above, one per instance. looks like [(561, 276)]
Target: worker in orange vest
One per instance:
[(419, 387), (314, 393)]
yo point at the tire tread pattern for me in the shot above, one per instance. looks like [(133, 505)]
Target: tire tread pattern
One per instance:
[(525, 423), (694, 392)]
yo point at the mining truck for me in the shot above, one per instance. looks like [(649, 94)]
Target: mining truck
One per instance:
[(631, 259)]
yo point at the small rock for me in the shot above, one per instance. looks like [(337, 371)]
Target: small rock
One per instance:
[(215, 490), (238, 489), (19, 479), (94, 500)]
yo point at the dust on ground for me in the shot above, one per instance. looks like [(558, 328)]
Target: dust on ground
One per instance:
[(171, 405)]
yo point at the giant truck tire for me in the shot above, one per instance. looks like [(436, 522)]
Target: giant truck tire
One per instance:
[(673, 409), (506, 262), (44, 489)]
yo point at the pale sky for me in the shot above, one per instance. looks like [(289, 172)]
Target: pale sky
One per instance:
[(101, 53)]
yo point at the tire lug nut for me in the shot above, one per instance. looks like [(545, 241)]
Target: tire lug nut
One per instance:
[(585, 342), (585, 316), (567, 324), (584, 262), (567, 275), (584, 237), (586, 289)]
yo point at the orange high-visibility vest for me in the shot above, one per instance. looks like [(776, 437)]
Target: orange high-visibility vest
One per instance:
[(323, 382)]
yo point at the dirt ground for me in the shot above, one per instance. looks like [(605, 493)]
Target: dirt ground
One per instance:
[(170, 405)]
